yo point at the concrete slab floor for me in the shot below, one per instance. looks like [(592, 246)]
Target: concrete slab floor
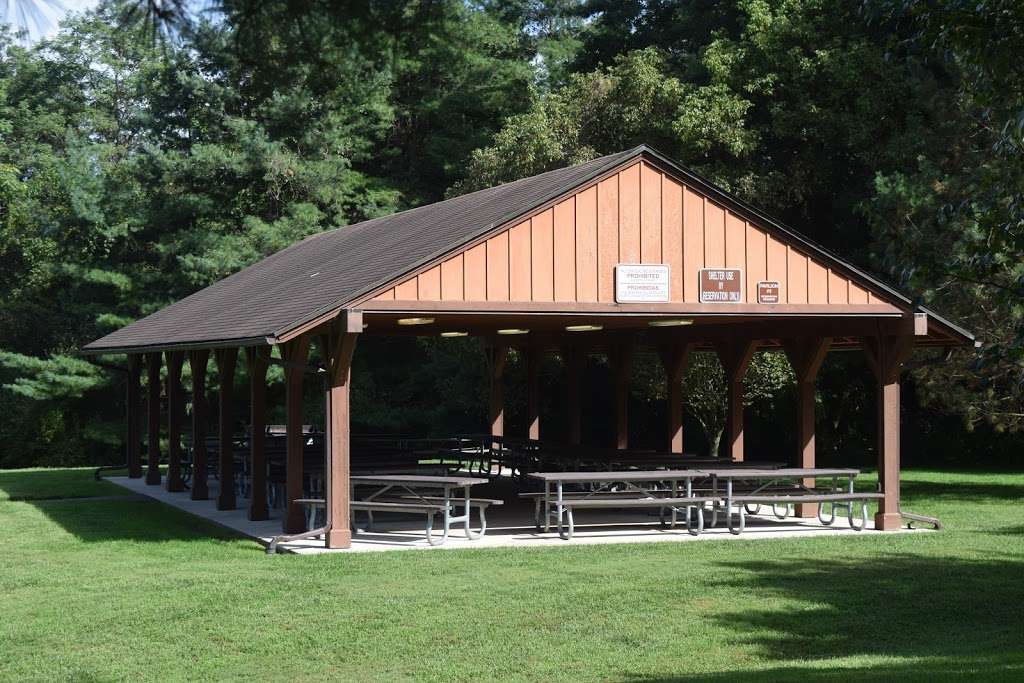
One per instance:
[(510, 525)]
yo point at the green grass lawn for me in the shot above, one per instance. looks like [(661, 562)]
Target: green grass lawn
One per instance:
[(127, 589)]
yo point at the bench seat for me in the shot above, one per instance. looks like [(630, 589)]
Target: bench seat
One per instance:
[(845, 500), (806, 498)]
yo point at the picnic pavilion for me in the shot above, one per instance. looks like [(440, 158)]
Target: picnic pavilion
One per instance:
[(626, 251)]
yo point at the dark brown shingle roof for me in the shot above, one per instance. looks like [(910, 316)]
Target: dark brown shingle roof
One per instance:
[(332, 268)]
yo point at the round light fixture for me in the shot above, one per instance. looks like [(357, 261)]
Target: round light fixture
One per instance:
[(415, 321), (455, 334), (583, 328), (513, 330), (671, 322)]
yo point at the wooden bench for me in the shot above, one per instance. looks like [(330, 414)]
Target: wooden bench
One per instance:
[(694, 522), (846, 500), (538, 498)]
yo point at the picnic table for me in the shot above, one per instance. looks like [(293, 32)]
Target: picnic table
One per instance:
[(430, 495), (644, 489), (785, 486)]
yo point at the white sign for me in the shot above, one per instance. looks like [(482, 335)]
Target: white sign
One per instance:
[(635, 283)]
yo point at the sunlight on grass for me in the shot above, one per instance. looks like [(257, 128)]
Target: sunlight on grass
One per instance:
[(130, 589)]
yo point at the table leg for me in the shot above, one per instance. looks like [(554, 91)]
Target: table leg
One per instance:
[(547, 506), (559, 509)]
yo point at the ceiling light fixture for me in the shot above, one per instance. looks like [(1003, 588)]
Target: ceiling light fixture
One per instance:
[(415, 321), (583, 328), (671, 322), (513, 330), (455, 334)]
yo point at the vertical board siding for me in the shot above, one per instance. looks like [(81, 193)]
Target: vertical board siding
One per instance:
[(542, 257), (693, 244), (672, 234), (565, 250), (568, 252), (650, 216), (520, 258), (817, 283), (796, 280), (475, 265), (757, 261), (607, 237), (629, 215), (497, 267), (586, 245), (714, 235), (429, 284), (452, 284), (837, 288)]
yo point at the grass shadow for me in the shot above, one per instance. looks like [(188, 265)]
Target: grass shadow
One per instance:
[(144, 521), (967, 492), (924, 616)]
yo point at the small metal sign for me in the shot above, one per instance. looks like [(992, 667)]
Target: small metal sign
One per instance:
[(768, 292), (641, 283), (721, 286)]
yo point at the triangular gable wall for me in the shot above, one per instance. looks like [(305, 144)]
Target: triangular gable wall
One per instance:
[(567, 252)]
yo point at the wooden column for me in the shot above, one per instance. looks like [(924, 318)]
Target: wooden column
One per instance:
[(226, 361), (497, 356), (153, 417), (885, 355), (620, 358), (674, 358), (295, 354), (533, 362), (256, 362), (197, 362), (806, 357), (574, 359), (175, 413), (735, 355), (340, 348), (133, 417)]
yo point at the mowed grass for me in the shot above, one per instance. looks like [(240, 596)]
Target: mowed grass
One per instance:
[(133, 590)]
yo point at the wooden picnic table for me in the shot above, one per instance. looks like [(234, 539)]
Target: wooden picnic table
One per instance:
[(405, 493), (556, 503)]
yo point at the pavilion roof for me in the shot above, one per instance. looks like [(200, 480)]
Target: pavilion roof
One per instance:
[(332, 270)]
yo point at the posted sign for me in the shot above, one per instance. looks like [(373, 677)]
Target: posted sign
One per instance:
[(721, 286), (635, 283), (768, 292)]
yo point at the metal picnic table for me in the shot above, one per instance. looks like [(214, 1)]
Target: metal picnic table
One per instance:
[(411, 488), (789, 478), (555, 503)]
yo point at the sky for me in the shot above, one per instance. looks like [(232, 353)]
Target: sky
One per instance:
[(40, 17)]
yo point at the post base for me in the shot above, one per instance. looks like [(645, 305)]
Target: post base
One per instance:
[(888, 521), (225, 504), (806, 510), (339, 538), (153, 477), (175, 486), (258, 514)]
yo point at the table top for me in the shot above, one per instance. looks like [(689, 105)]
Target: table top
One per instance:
[(627, 475), (416, 480), (781, 473)]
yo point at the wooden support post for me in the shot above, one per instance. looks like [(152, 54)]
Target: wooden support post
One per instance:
[(197, 362), (574, 359), (886, 355), (674, 358), (295, 354), (533, 362), (735, 355), (806, 357), (175, 414), (256, 362), (340, 348), (153, 418), (497, 356), (133, 416), (226, 361), (621, 358)]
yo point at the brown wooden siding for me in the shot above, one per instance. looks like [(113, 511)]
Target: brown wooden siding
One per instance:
[(568, 251)]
